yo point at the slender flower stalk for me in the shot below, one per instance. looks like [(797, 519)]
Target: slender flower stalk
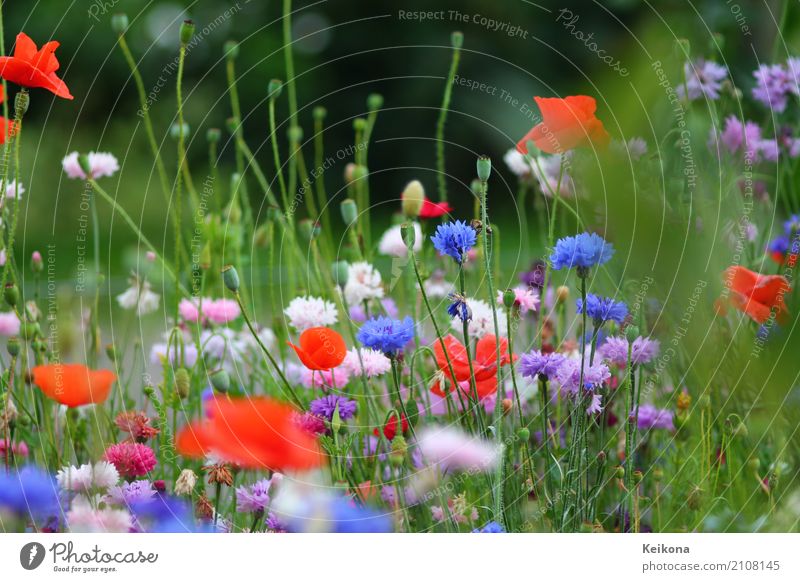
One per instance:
[(457, 41)]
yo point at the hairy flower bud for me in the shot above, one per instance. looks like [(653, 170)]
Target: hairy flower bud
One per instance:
[(340, 273), (182, 382), (413, 198), (457, 39)]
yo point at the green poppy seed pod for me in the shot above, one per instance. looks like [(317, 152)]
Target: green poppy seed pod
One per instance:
[(86, 167), (13, 346), (359, 172), (24, 420), (409, 234), (309, 229), (295, 134), (231, 125), (319, 113), (509, 298), (274, 88), (524, 434), (187, 32), (183, 382), (631, 332), (620, 472), (475, 187), (754, 464), (637, 476), (359, 124), (231, 49), (21, 102), (349, 211), (413, 198), (220, 380), (11, 294), (119, 23), (374, 101), (484, 168), (111, 352), (658, 474), (457, 39), (341, 271), (175, 130), (231, 278), (213, 135)]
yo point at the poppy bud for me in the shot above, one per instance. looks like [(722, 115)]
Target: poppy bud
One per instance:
[(36, 262), (409, 234), (231, 125), (319, 113), (631, 332), (111, 352), (754, 464), (30, 330), (213, 135), (399, 448), (309, 229), (374, 101), (231, 278), (231, 49), (119, 23), (187, 32), (11, 294), (412, 198), (176, 128), (484, 168), (704, 401), (509, 298), (274, 88), (620, 472), (658, 474), (336, 420), (21, 102), (295, 134), (524, 434), (360, 172), (340, 273), (475, 187), (601, 457), (183, 382), (13, 346), (220, 380), (359, 124), (86, 167), (457, 39), (32, 311), (562, 294), (348, 172), (349, 211)]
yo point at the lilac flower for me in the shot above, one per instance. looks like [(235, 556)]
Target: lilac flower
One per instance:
[(594, 406), (615, 350), (131, 493), (386, 335), (703, 78), (275, 525), (602, 309), (747, 137), (651, 417), (534, 277), (583, 251), (774, 84), (568, 375), (326, 406), (254, 498), (536, 363), (454, 239)]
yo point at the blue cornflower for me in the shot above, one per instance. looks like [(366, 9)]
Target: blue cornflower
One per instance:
[(29, 492), (792, 225), (347, 517), (386, 335), (602, 309), (459, 308), (326, 405), (536, 363), (454, 239), (582, 251), (166, 514), (491, 527)]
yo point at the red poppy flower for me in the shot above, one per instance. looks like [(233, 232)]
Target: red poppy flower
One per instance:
[(73, 384), (320, 348), (432, 209), (390, 428), (566, 124), (755, 294), (6, 126), (254, 433), (30, 67), (484, 363)]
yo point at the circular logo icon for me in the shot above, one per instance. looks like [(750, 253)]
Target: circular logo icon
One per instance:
[(31, 555)]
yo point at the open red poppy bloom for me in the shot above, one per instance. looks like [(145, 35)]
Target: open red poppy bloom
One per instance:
[(390, 428), (254, 433), (73, 384), (755, 294), (6, 126), (484, 363), (432, 209), (320, 348), (566, 124), (30, 67)]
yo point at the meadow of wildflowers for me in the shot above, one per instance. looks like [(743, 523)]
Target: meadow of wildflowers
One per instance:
[(611, 348)]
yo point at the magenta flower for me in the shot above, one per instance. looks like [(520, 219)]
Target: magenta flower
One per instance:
[(131, 459)]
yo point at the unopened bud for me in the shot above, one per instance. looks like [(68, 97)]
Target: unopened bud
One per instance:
[(176, 129), (631, 333), (359, 124), (507, 405), (457, 39), (275, 88), (319, 113), (374, 101), (562, 294), (231, 278), (213, 135), (21, 102), (11, 294), (524, 434), (187, 32), (231, 49), (509, 298), (413, 198), (111, 352), (349, 211), (340, 273), (13, 346), (220, 380), (119, 23), (37, 265), (484, 168), (183, 382)]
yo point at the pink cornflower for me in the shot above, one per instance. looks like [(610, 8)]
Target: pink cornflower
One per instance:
[(374, 362), (19, 449), (221, 311), (525, 298), (188, 310), (131, 459), (100, 164), (452, 449), (9, 324)]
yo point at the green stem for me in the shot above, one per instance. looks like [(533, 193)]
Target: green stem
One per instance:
[(448, 91)]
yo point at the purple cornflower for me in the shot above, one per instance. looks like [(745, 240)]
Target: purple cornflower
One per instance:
[(774, 84), (615, 350), (275, 525), (651, 417), (132, 493), (326, 406), (746, 136), (583, 251), (454, 239), (602, 309), (491, 527), (459, 308), (534, 277), (568, 375), (386, 335), (255, 497), (536, 363), (703, 79)]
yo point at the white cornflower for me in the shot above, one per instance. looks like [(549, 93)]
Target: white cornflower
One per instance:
[(308, 312), (517, 163), (363, 284), (139, 296), (85, 478), (392, 243), (100, 164), (375, 363)]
